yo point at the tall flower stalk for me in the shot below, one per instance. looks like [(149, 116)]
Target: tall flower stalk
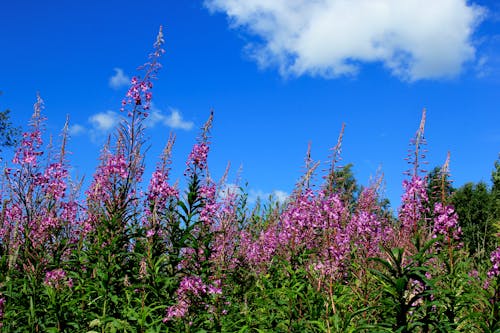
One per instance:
[(413, 211)]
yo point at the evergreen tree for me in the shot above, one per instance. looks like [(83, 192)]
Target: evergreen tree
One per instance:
[(495, 195), (439, 187), (473, 204), (9, 134), (346, 184)]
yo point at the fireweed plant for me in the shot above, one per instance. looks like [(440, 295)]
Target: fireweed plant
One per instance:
[(135, 256)]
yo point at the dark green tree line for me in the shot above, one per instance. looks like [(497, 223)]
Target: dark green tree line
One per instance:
[(9, 134), (477, 206)]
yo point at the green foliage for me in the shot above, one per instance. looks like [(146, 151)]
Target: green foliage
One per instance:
[(405, 287), (342, 181), (9, 134), (473, 203), (439, 187), (285, 300), (495, 196)]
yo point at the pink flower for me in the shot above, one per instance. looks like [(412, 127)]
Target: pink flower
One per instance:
[(2, 307), (413, 205), (446, 222), (57, 279), (192, 284), (178, 310), (54, 180), (159, 189), (495, 261), (139, 93), (197, 159), (31, 142), (207, 193), (190, 288)]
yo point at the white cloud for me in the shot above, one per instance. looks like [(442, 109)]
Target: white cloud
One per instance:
[(174, 120), (229, 189), (119, 80), (276, 195), (482, 69), (104, 121), (76, 129), (280, 196), (100, 125), (414, 39), (253, 195)]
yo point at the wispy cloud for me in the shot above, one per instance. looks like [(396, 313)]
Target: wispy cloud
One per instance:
[(98, 125), (482, 69), (101, 123), (281, 196), (104, 121), (173, 120), (76, 130), (253, 195), (276, 195), (119, 80), (488, 64), (414, 39), (229, 189)]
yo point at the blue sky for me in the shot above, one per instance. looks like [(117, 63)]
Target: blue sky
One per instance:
[(279, 74)]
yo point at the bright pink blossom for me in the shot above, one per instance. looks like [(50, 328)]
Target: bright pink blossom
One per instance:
[(159, 189), (413, 207), (139, 94), (197, 159), (2, 309), (57, 279), (191, 289), (446, 222), (495, 261)]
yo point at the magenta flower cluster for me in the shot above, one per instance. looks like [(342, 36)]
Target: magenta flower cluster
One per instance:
[(495, 263), (41, 208), (53, 181), (31, 143), (197, 159), (2, 309), (191, 289), (446, 222), (57, 279), (413, 208), (138, 92), (159, 189), (320, 224), (114, 168), (139, 95), (208, 194)]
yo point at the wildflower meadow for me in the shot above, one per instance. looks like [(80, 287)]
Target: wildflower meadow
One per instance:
[(137, 253)]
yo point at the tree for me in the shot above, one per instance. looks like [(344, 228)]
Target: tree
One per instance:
[(439, 187), (495, 195), (9, 135), (345, 184), (473, 205)]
